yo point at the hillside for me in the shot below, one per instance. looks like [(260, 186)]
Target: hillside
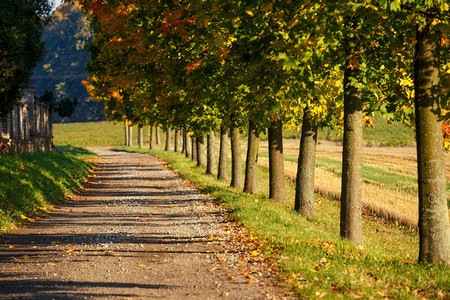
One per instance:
[(63, 66)]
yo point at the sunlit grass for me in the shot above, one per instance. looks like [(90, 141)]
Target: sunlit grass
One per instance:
[(313, 259), (31, 182)]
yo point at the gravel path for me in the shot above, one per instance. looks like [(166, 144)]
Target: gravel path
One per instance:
[(136, 231)]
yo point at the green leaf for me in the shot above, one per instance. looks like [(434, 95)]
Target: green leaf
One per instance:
[(395, 6)]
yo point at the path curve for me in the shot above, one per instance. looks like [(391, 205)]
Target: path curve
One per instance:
[(136, 231)]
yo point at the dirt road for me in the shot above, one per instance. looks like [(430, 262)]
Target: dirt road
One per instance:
[(137, 231)]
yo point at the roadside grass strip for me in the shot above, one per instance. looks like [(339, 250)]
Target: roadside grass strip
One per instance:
[(30, 183)]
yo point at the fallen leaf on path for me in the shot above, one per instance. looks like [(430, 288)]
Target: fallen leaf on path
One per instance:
[(144, 220), (141, 265), (109, 253), (25, 257), (11, 246)]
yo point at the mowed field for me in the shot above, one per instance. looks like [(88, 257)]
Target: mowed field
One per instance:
[(389, 173)]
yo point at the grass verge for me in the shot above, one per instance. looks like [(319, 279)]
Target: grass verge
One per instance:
[(31, 182), (313, 259)]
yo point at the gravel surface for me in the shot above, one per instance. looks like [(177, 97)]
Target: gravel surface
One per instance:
[(135, 231)]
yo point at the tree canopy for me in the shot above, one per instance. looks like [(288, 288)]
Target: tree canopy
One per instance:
[(21, 25)]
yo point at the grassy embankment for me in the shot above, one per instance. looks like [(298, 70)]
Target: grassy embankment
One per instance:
[(30, 183), (313, 259)]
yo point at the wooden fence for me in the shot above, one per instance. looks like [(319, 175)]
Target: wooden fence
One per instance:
[(29, 126)]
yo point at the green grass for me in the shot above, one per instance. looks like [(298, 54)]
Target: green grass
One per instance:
[(31, 182), (92, 134), (382, 134), (313, 259)]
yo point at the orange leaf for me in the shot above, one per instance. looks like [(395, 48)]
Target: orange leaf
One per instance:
[(11, 246), (22, 167)]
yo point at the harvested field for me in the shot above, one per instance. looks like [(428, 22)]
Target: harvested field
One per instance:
[(382, 196)]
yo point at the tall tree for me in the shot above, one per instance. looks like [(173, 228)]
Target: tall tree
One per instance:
[(21, 25), (433, 211)]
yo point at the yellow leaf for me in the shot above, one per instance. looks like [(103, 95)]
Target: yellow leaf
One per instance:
[(25, 257), (314, 271), (254, 253), (141, 265)]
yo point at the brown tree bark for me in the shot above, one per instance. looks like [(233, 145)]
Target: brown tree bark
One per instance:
[(167, 148), (236, 159), (304, 185), (351, 226), (130, 136), (157, 138), (188, 144), (277, 190), (194, 149), (251, 164), (125, 126), (140, 136), (211, 164), (434, 245), (183, 138), (201, 151), (150, 137), (176, 146), (223, 157)]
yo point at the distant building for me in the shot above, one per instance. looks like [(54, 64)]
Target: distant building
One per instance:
[(29, 126)]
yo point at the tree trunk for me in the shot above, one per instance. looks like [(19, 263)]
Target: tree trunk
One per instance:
[(125, 126), (150, 137), (176, 143), (276, 161), (167, 139), (236, 159), (351, 226), (304, 185), (130, 136), (140, 136), (194, 149), (251, 164), (157, 138), (433, 211), (183, 138), (211, 165), (223, 157), (201, 153), (188, 144)]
